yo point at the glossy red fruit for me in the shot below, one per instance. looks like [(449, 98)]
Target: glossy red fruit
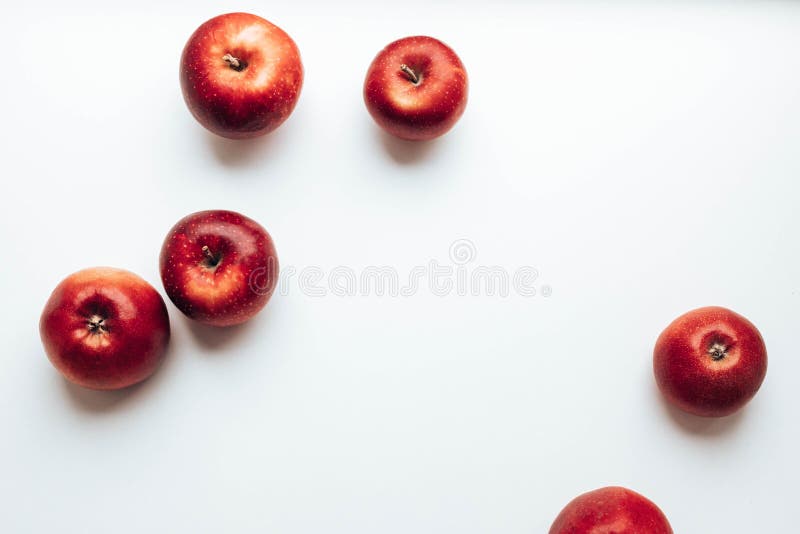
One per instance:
[(611, 510), (105, 328), (416, 88), (241, 75), (219, 267), (710, 361)]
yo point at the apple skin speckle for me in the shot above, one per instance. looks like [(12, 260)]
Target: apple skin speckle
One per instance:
[(219, 267), (416, 109), (251, 99)]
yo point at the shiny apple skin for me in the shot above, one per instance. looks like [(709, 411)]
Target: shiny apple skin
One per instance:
[(422, 111), (128, 347), (234, 289), (247, 103), (687, 372), (611, 510)]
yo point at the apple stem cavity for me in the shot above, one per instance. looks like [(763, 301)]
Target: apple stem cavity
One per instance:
[(97, 325), (412, 76), (235, 63), (717, 351), (211, 260)]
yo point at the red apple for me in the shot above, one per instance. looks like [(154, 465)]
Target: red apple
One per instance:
[(611, 510), (105, 328), (416, 88), (710, 361), (241, 75), (219, 267)]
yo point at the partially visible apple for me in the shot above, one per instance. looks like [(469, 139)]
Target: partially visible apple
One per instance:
[(416, 88), (105, 328), (241, 75), (219, 267), (611, 510), (710, 361)]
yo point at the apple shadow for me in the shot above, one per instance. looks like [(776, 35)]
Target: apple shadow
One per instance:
[(216, 337), (98, 401), (239, 153), (406, 152), (705, 427)]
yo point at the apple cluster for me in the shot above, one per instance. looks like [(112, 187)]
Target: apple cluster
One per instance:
[(241, 76), (107, 328)]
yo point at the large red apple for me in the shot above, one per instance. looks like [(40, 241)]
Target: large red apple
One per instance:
[(710, 361), (416, 88), (105, 328), (241, 75), (611, 510), (219, 267)]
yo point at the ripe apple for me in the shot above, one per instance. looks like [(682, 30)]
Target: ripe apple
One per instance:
[(710, 361), (416, 88), (219, 267), (241, 75), (105, 328), (612, 510)]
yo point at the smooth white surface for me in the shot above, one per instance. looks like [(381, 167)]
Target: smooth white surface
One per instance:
[(642, 156)]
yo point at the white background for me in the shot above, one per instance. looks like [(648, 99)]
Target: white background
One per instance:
[(642, 156)]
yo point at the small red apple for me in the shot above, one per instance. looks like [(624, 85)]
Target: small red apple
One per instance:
[(219, 267), (416, 88), (611, 510), (241, 75), (105, 328), (710, 361)]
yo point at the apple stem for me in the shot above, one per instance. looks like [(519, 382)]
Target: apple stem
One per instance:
[(234, 63), (210, 257), (96, 324), (717, 351), (410, 73)]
